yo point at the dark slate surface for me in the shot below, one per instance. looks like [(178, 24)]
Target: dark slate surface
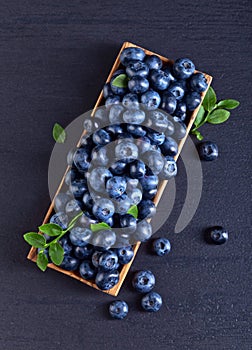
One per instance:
[(55, 57)]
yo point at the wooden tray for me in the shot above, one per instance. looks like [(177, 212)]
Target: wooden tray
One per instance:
[(115, 290)]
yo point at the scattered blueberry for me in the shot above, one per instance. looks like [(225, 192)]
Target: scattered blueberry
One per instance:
[(208, 150), (161, 246), (151, 302), (118, 309), (143, 281), (218, 234)]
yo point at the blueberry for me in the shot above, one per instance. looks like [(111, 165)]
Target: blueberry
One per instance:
[(99, 156), (161, 246), (114, 130), (146, 209), (149, 182), (107, 91), (198, 82), (183, 68), (157, 121), (192, 100), (118, 168), (112, 100), (170, 129), (125, 254), (70, 263), (181, 110), (72, 207), (170, 168), (115, 114), (84, 252), (159, 79), (104, 238), (87, 270), (143, 281), (60, 219), (137, 68), (106, 280), (60, 201), (143, 144), (180, 128), (156, 138), (86, 220), (128, 223), (169, 102), (136, 130), (126, 150), (138, 85), (66, 244), (95, 258), (131, 184), (122, 205), (130, 101), (101, 137), (151, 302), (108, 261), (80, 236), (177, 90), (100, 116), (81, 159), (143, 231), (137, 169), (169, 71), (155, 161), (134, 116), (116, 186), (218, 234), (98, 178), (124, 137), (150, 194), (118, 309), (135, 196), (150, 100), (153, 62), (130, 54), (169, 147), (208, 150), (78, 187), (103, 209)]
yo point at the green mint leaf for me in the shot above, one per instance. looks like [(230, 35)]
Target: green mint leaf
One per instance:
[(209, 100), (100, 226), (42, 261), (121, 81), (198, 135), (228, 104), (59, 133), (56, 253), (51, 229), (200, 116), (133, 211), (218, 116), (35, 239)]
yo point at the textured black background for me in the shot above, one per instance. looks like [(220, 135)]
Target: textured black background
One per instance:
[(55, 56)]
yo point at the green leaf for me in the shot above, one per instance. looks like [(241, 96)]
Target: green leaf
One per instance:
[(100, 226), (42, 261), (35, 239), (218, 116), (121, 81), (209, 100), (56, 253), (198, 135), (59, 133), (200, 116), (133, 211), (51, 229), (228, 104)]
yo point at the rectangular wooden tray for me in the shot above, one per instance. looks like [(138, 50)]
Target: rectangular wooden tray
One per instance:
[(115, 290)]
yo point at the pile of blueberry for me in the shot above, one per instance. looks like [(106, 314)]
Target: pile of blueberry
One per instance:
[(129, 146)]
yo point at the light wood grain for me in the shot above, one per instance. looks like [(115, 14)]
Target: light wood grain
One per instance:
[(115, 290)]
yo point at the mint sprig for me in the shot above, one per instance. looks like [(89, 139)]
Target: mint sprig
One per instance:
[(121, 81), (133, 210), (59, 134), (212, 112), (56, 252)]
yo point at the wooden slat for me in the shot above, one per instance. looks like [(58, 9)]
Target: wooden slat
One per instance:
[(115, 290)]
